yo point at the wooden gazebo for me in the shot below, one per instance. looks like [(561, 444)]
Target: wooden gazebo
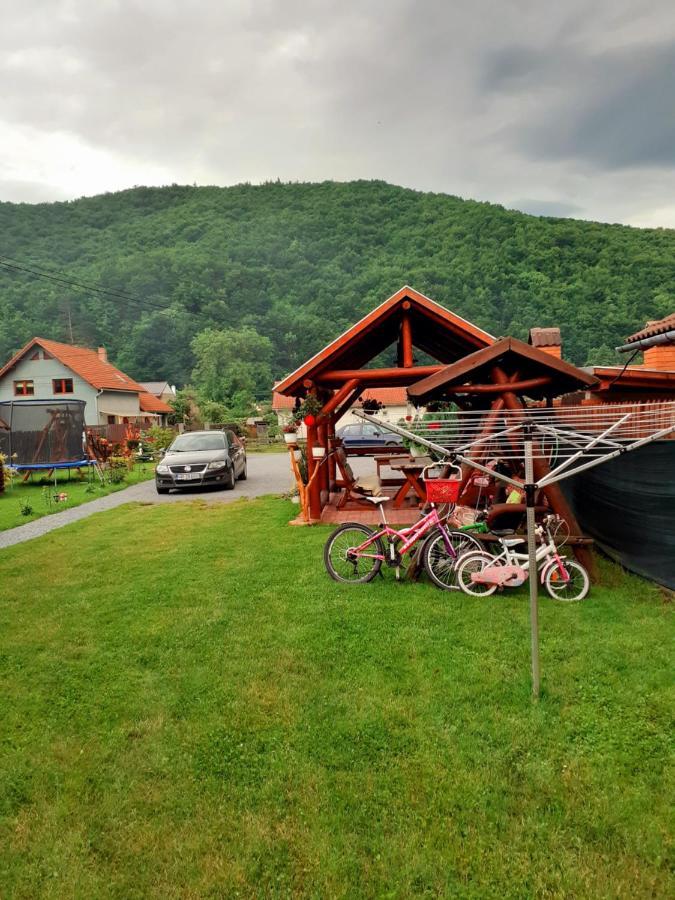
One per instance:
[(338, 374), (509, 375)]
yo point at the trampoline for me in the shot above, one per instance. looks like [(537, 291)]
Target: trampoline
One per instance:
[(43, 435)]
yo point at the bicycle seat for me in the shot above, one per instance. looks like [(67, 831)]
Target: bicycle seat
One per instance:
[(376, 500), (512, 542)]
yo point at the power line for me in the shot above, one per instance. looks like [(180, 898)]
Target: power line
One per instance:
[(57, 277)]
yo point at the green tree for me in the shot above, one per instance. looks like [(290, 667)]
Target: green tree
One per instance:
[(232, 365), (604, 355)]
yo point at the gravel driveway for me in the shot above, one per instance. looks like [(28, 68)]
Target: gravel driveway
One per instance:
[(268, 473)]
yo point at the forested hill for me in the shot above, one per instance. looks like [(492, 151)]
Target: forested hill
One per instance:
[(300, 262)]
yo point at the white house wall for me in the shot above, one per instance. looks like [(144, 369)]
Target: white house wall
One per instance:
[(118, 403), (392, 414), (41, 372)]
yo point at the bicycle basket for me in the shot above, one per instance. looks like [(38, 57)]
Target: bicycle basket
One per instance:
[(443, 490)]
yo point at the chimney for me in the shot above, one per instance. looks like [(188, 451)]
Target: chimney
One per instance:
[(661, 357), (102, 354), (548, 340)]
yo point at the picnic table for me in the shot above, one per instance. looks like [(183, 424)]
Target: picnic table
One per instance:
[(411, 468), (388, 460)]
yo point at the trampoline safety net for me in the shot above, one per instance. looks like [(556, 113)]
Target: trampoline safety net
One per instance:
[(41, 432)]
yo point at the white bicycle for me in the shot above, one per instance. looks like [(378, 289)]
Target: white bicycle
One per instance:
[(480, 574)]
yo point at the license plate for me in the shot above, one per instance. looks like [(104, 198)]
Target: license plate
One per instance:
[(188, 476)]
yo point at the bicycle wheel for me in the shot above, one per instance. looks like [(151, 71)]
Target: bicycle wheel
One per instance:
[(575, 589), (343, 564), (470, 564), (439, 564)]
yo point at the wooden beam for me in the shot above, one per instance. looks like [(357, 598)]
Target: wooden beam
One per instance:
[(339, 396), (393, 376), (346, 406), (524, 385)]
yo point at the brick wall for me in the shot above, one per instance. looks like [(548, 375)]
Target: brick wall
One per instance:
[(661, 358)]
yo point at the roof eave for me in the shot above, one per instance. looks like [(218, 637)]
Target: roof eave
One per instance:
[(290, 383)]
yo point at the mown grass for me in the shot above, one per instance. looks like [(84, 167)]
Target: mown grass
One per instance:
[(37, 492), (190, 707)]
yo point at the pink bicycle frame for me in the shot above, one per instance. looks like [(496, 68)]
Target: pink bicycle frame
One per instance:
[(409, 536)]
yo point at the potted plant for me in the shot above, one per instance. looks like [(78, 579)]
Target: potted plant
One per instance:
[(308, 411), (291, 432), (318, 452), (371, 406)]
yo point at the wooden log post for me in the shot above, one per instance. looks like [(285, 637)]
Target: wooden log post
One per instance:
[(315, 488), (324, 491), (405, 357), (480, 451), (328, 417)]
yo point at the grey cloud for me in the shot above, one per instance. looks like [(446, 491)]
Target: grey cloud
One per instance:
[(496, 100), (630, 123), (616, 110)]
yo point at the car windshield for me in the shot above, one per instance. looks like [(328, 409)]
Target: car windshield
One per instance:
[(185, 442)]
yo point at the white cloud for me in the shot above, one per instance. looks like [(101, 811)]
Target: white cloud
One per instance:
[(61, 166)]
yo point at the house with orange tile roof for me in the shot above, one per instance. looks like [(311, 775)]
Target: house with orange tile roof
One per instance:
[(46, 370)]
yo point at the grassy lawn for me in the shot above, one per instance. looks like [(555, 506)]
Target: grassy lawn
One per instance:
[(37, 492), (190, 707)]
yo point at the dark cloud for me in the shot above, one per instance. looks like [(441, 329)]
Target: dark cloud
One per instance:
[(618, 108), (495, 100)]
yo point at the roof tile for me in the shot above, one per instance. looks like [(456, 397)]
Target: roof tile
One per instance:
[(653, 328), (83, 362)]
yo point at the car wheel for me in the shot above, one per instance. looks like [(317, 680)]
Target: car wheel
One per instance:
[(162, 490), (244, 473), (392, 444), (228, 484)]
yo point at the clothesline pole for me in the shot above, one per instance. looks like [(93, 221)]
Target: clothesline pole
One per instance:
[(530, 488)]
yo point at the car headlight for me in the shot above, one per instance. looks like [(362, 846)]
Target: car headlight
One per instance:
[(162, 469), (217, 464)]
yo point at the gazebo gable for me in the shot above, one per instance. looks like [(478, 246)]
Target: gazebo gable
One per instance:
[(535, 374), (408, 318)]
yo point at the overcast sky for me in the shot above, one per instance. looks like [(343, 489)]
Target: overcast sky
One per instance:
[(559, 108)]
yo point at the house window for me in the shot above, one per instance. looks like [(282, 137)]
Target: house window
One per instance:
[(62, 385), (24, 388), (111, 420)]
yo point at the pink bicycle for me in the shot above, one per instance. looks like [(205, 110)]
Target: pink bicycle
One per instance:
[(354, 553)]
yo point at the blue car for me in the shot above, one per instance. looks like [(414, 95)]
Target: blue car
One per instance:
[(367, 435)]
